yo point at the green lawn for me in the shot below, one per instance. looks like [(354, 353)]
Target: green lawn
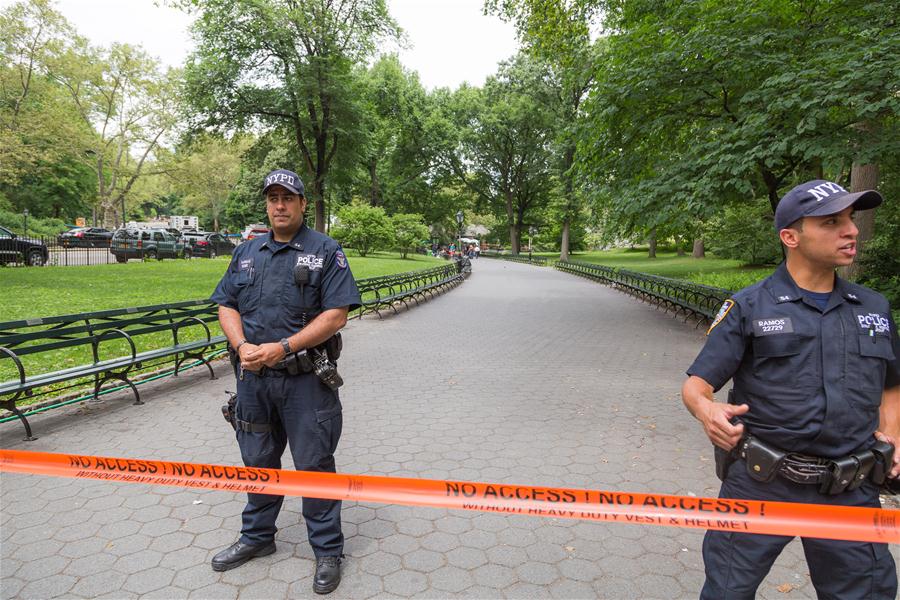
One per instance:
[(718, 272), (47, 291), (40, 292)]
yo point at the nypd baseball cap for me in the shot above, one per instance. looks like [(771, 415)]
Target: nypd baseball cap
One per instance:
[(819, 198), (286, 179)]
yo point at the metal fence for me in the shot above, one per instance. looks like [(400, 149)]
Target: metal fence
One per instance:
[(691, 299), (519, 258), (48, 250)]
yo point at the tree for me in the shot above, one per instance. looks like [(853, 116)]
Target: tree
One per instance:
[(503, 152), (699, 106), (557, 33), (206, 173), (364, 228), (285, 64), (409, 232), (35, 120), (123, 93), (41, 137)]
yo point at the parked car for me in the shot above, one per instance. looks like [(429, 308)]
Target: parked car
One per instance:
[(145, 243), (206, 245), (15, 249), (86, 237), (253, 231)]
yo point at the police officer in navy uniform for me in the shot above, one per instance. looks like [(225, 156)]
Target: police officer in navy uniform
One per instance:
[(812, 358), (283, 294)]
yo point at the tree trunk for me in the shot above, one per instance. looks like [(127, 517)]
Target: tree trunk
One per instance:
[(564, 243), (373, 182), (652, 242), (319, 199), (514, 238), (771, 182), (679, 245), (862, 177), (699, 250)]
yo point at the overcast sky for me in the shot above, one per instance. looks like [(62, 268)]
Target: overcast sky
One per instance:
[(451, 41)]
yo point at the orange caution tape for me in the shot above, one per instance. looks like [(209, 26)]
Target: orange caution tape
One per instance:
[(747, 516)]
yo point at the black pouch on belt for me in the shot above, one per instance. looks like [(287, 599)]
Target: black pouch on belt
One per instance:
[(296, 363), (884, 459), (763, 461), (840, 474)]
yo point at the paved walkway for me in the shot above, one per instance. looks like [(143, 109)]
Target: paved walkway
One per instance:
[(520, 375)]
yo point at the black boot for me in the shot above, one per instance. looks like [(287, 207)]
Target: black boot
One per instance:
[(328, 574), (238, 553)]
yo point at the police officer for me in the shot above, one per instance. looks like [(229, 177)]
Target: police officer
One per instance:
[(812, 358), (284, 293)]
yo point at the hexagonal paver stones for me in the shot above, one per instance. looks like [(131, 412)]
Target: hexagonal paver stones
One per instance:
[(466, 558), (425, 561), (537, 573), (566, 381), (380, 563), (494, 576), (91, 586), (405, 583)]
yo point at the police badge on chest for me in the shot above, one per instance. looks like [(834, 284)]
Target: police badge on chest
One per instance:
[(315, 263)]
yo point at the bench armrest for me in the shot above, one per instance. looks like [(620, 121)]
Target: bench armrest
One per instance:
[(95, 345)]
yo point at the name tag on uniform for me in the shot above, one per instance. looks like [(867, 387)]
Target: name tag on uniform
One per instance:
[(772, 326)]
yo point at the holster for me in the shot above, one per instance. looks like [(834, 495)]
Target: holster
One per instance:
[(724, 460), (762, 460), (233, 358), (333, 346), (228, 410)]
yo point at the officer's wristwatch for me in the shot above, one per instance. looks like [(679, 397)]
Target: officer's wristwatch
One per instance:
[(241, 343), (286, 345)]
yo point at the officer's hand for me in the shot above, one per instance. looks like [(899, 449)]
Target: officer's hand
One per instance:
[(263, 355), (895, 470), (245, 353), (717, 424)]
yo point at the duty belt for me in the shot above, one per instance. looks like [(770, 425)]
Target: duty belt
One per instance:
[(832, 475)]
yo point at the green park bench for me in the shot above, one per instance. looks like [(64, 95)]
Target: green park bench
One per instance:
[(691, 299), (48, 343), (389, 291), (45, 353), (519, 258)]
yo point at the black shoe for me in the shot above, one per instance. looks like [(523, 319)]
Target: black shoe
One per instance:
[(328, 574), (238, 553)]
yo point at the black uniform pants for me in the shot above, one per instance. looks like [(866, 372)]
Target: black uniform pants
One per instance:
[(304, 413), (736, 563)]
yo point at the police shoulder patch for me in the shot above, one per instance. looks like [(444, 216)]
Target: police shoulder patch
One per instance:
[(720, 316), (340, 259)]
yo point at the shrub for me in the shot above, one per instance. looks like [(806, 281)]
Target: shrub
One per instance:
[(744, 232), (364, 228), (409, 231)]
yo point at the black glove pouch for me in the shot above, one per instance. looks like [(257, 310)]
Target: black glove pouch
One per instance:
[(763, 461)]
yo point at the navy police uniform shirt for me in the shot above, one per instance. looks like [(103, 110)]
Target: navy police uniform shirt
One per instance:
[(260, 284), (813, 378)]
